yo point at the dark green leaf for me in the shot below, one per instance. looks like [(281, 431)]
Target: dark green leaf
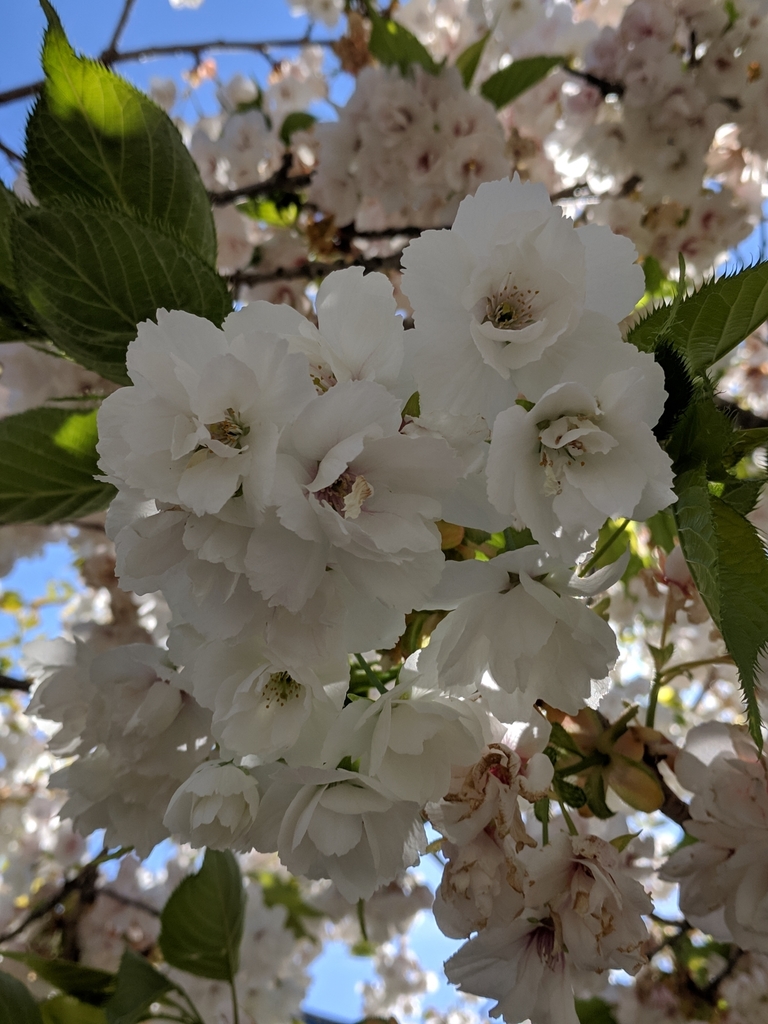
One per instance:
[(696, 530), (678, 385), (742, 495), (743, 577), (513, 80), (468, 60), (541, 810), (570, 794), (515, 539), (47, 463), (703, 436), (654, 275), (662, 530), (594, 787), (594, 1011), (712, 321), (728, 562), (14, 320), (391, 44), (16, 1003), (85, 983), (562, 739), (9, 206), (297, 121), (138, 986), (95, 136), (747, 441), (68, 1010), (202, 922), (91, 274)]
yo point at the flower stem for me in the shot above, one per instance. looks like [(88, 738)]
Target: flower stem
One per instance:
[(604, 547), (370, 674)]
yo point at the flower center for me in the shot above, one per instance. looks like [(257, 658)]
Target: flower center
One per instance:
[(565, 442), (280, 688), (511, 308), (347, 494), (228, 431)]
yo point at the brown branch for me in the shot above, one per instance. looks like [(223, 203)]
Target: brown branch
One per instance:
[(314, 270), (280, 181), (605, 88), (195, 50), (110, 52), (9, 683), (129, 901)]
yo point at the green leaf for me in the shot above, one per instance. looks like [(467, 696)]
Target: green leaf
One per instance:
[(747, 441), (85, 983), (743, 578), (9, 206), (14, 319), (515, 539), (68, 1010), (16, 1003), (662, 529), (743, 495), (138, 986), (728, 562), (698, 539), (391, 44), (285, 892), (622, 842), (712, 321), (296, 121), (513, 80), (92, 135), (468, 60), (47, 464), (91, 274), (562, 739), (202, 922), (594, 1011), (569, 793)]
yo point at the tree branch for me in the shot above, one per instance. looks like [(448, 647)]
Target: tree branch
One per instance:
[(110, 52), (9, 683), (742, 418), (195, 50), (605, 88), (314, 270), (278, 182)]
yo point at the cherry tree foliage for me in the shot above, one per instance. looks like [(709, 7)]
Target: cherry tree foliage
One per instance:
[(412, 463)]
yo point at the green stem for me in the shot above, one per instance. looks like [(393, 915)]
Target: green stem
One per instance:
[(687, 666), (235, 1010), (568, 820), (586, 762), (604, 547), (361, 919), (370, 675)]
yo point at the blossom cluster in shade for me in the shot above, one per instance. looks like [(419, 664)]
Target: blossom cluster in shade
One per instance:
[(280, 483)]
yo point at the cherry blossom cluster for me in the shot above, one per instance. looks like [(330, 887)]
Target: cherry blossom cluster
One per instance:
[(280, 483)]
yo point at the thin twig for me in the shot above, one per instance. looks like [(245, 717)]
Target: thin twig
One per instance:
[(9, 683), (605, 88), (314, 270), (21, 92), (12, 155), (278, 182), (111, 49)]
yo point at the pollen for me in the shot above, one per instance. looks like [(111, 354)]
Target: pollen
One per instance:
[(512, 308)]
